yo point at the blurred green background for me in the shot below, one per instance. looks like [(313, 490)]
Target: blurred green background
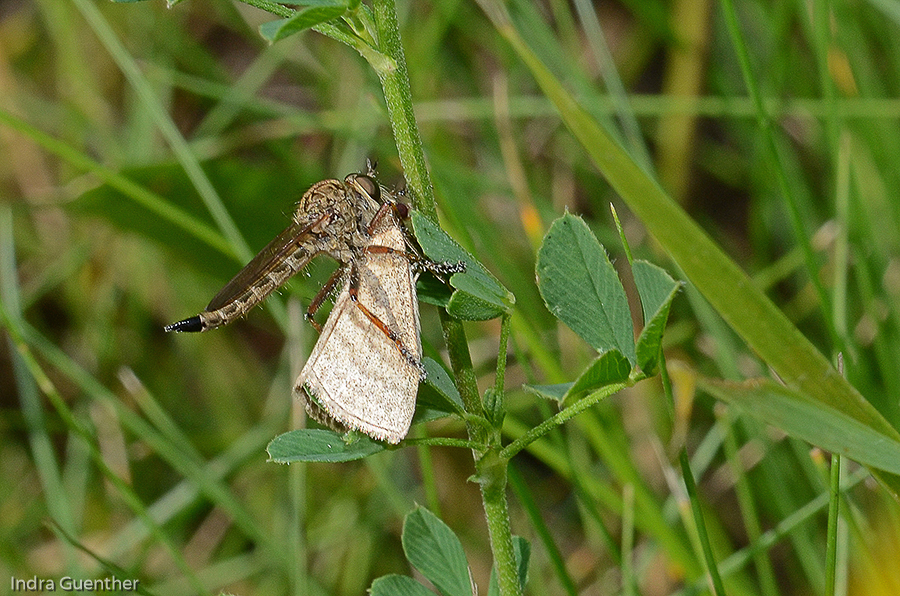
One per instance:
[(135, 138)]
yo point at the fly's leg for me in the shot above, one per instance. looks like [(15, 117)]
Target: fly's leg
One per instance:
[(418, 262), (353, 291), (381, 214), (321, 296)]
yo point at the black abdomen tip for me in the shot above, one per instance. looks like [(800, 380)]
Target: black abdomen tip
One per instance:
[(187, 325)]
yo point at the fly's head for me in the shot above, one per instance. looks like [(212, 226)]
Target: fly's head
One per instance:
[(366, 195), (365, 186), (369, 197)]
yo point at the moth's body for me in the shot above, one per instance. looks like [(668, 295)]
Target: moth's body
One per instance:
[(332, 218)]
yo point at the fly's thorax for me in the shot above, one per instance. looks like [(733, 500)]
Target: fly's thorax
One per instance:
[(320, 205)]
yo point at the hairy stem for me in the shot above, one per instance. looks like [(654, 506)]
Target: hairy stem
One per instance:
[(559, 418), (491, 468), (389, 63), (398, 97), (492, 471)]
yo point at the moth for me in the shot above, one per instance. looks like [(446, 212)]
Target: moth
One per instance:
[(364, 370)]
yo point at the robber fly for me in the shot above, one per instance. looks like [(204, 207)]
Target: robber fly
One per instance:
[(332, 217)]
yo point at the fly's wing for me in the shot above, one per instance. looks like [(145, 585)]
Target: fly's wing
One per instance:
[(356, 376), (257, 272), (281, 258)]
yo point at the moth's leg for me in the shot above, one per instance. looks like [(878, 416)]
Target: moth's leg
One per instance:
[(321, 296), (353, 291)]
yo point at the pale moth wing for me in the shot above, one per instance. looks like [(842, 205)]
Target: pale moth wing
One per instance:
[(356, 376)]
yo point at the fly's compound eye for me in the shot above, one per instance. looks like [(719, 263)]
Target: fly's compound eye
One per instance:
[(366, 184)]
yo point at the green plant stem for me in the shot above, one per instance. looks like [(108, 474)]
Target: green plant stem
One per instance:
[(463, 371), (500, 381), (445, 442), (700, 525), (746, 504), (550, 423), (491, 469), (492, 476), (398, 97), (834, 507)]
